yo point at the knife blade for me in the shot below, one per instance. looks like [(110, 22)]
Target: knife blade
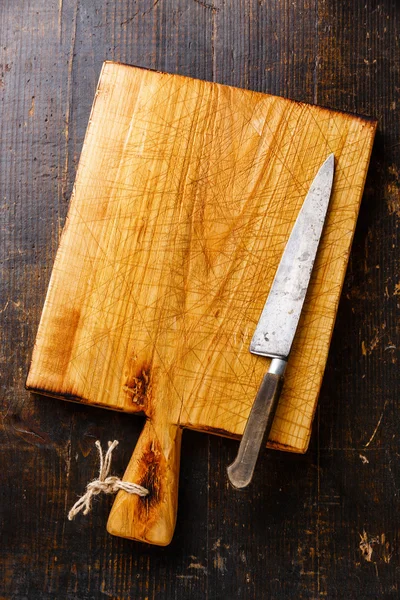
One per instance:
[(278, 322)]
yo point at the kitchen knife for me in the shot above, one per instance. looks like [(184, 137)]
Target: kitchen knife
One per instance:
[(278, 322)]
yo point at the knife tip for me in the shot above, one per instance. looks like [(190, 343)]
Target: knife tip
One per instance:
[(330, 161), (327, 168)]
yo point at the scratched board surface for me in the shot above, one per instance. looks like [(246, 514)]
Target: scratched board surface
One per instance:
[(184, 199)]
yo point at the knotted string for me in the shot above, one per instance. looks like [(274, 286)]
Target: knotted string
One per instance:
[(104, 483)]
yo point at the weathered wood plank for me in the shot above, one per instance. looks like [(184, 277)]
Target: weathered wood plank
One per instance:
[(296, 543)]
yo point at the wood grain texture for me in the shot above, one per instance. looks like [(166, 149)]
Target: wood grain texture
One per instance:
[(184, 199), (155, 463), (296, 532), (185, 196)]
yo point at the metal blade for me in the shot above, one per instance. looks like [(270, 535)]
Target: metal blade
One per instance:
[(278, 322)]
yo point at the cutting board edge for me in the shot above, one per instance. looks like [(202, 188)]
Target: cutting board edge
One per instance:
[(364, 118), (78, 400), (272, 445)]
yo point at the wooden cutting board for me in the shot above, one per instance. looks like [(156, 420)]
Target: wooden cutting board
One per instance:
[(185, 197)]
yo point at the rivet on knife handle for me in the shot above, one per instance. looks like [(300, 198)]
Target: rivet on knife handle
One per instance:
[(258, 426), (278, 322)]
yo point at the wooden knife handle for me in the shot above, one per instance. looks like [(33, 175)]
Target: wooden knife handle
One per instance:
[(155, 466), (258, 426)]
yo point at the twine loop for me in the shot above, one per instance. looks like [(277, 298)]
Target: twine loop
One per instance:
[(108, 484)]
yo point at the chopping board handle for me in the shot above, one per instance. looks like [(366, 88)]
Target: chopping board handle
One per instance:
[(155, 466)]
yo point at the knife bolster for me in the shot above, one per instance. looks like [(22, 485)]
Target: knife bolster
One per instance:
[(277, 366)]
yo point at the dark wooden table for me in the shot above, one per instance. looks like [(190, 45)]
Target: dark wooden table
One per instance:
[(325, 524)]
